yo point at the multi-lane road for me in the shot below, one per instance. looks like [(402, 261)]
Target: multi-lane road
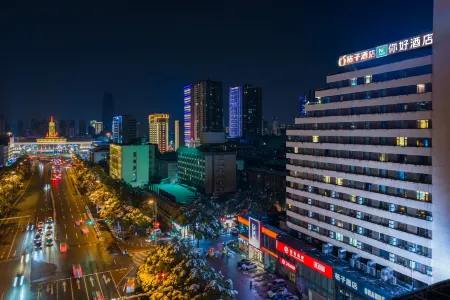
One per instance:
[(48, 274)]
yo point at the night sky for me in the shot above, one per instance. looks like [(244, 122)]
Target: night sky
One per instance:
[(60, 59)]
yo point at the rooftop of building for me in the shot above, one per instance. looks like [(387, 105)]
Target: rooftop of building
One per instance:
[(182, 193), (267, 171), (167, 156), (439, 290), (206, 150), (99, 149)]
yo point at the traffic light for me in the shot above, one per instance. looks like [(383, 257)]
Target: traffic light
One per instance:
[(153, 237), (156, 225), (106, 221)]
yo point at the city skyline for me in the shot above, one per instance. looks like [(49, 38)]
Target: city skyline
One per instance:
[(142, 85)]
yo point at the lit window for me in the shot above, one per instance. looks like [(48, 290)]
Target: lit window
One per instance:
[(326, 179), (339, 181), (383, 157), (368, 79), (422, 196), (315, 139), (402, 141), (352, 198), (422, 124), (353, 242), (420, 88), (353, 81), (318, 100), (339, 237)]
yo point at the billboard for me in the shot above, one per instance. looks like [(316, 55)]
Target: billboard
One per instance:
[(287, 264), (387, 49), (254, 233), (352, 281), (305, 259)]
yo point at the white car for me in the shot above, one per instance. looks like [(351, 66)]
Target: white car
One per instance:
[(249, 266), (49, 220), (276, 291)]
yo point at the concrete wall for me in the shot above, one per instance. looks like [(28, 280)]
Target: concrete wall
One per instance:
[(441, 141)]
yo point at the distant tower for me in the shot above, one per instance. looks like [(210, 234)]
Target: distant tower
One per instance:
[(177, 135), (159, 131), (107, 111), (51, 128)]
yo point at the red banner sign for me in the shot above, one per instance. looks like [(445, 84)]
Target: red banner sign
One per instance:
[(305, 259), (287, 264)]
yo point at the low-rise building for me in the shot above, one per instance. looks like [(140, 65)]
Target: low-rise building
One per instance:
[(209, 169), (98, 153), (167, 167)]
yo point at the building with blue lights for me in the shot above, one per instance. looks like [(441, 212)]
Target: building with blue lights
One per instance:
[(245, 107)]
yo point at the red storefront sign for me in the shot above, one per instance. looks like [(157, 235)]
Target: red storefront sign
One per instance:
[(305, 259), (287, 264)]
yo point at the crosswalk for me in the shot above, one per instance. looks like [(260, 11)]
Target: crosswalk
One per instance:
[(139, 257)]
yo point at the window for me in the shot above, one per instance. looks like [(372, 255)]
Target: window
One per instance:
[(422, 196), (339, 237), (420, 88), (384, 157), (326, 179), (422, 124), (315, 139), (353, 242), (352, 198), (354, 81), (402, 141), (368, 79), (295, 149), (339, 181)]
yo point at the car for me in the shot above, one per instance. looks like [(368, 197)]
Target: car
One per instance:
[(40, 225), (63, 247), (243, 262), (37, 237), (277, 283), (38, 245), (97, 296), (25, 257), (249, 266), (199, 252), (156, 231), (49, 227), (48, 234), (234, 231), (30, 227), (281, 295), (130, 286), (78, 222), (18, 280), (77, 272), (49, 241), (276, 291), (49, 220), (84, 230)]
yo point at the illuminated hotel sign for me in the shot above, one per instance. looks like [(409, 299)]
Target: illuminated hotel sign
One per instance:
[(388, 49), (254, 233), (359, 286), (287, 264), (305, 259)]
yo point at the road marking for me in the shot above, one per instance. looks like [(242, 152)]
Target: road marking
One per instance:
[(70, 209), (64, 217), (85, 287), (65, 226), (71, 288), (66, 236), (91, 280), (72, 216), (76, 234), (79, 246), (14, 238), (15, 251)]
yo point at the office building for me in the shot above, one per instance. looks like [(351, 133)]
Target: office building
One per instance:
[(177, 135), (208, 169), (159, 131), (97, 125), (82, 128), (130, 163), (70, 128), (107, 111), (124, 129), (369, 168), (60, 127), (167, 167), (203, 110), (245, 107)]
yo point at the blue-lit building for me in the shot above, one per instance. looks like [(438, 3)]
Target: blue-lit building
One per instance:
[(124, 129), (245, 112)]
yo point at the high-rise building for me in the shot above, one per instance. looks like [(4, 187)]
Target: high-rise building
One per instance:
[(107, 111), (245, 117), (177, 135), (203, 109), (82, 128), (2, 124), (70, 128), (61, 127), (159, 131), (98, 126), (124, 129), (20, 129), (369, 167), (34, 127)]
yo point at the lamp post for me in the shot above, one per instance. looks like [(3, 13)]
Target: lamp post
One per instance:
[(155, 210)]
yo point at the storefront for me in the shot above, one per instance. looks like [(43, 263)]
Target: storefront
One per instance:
[(350, 287), (243, 243), (256, 255)]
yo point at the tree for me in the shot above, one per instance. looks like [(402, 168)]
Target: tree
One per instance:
[(172, 271), (200, 215)]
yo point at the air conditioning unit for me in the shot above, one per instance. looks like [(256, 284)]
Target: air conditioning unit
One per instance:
[(394, 281), (356, 257), (325, 248), (384, 278), (342, 253), (386, 273), (429, 218), (358, 264), (364, 267), (360, 200), (412, 249), (378, 274), (373, 272), (330, 248), (371, 263), (352, 262)]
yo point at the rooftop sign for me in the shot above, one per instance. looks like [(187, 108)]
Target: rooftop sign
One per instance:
[(388, 49)]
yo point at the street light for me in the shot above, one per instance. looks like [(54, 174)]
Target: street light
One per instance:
[(155, 210)]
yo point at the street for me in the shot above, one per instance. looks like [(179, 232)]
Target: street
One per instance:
[(48, 274)]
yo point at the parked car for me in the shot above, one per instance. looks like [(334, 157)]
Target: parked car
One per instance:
[(234, 231), (275, 291), (277, 283), (243, 262), (281, 295), (249, 266)]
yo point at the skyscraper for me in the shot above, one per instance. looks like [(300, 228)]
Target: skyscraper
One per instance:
[(82, 127), (177, 135), (70, 128), (245, 111), (159, 131), (124, 129), (107, 111), (203, 109)]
